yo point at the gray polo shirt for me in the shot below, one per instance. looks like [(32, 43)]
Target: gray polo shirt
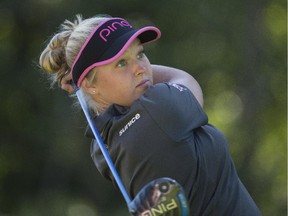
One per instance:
[(165, 133)]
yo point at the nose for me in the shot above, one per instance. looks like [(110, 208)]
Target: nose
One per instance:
[(139, 68)]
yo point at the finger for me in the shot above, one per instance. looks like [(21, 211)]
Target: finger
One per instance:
[(65, 83), (67, 87)]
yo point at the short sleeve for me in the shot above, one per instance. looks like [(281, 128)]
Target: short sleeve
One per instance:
[(174, 108)]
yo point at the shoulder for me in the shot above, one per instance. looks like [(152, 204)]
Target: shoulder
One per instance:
[(174, 108)]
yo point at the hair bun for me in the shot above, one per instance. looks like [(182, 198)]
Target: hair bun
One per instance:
[(52, 59)]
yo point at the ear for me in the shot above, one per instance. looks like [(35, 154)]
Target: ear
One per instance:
[(89, 88)]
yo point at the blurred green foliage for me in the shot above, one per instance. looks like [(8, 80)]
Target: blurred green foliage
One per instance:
[(235, 49)]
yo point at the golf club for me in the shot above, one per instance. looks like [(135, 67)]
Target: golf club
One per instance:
[(163, 196)]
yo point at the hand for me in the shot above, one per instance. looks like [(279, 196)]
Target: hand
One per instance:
[(65, 83)]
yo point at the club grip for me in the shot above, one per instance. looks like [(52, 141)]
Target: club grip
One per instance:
[(163, 196)]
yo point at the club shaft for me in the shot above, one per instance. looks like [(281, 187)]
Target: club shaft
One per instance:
[(103, 148)]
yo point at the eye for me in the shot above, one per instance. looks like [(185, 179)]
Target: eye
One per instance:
[(121, 63), (141, 54)]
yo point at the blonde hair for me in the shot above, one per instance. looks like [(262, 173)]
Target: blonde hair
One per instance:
[(57, 58)]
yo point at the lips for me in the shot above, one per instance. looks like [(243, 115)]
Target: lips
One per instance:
[(143, 83)]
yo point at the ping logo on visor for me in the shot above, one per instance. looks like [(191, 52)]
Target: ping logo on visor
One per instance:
[(104, 33), (106, 43)]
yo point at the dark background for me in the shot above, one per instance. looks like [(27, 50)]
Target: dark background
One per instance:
[(235, 49)]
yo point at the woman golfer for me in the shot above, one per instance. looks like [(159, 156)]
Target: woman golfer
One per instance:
[(150, 117)]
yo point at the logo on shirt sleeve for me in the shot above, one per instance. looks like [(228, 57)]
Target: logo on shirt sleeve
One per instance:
[(179, 87)]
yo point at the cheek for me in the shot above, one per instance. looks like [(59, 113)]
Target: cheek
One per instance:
[(113, 87), (148, 67)]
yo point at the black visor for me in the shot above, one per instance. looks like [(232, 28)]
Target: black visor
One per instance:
[(106, 43)]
